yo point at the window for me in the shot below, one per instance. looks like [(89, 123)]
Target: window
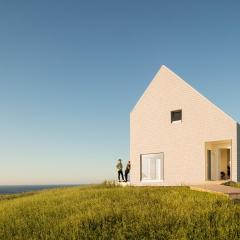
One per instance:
[(176, 116), (152, 167)]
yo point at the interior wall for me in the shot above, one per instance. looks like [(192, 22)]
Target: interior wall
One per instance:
[(215, 165), (224, 161)]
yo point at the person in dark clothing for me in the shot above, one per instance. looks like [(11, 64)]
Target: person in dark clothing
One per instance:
[(127, 171), (223, 175), (228, 171), (119, 167)]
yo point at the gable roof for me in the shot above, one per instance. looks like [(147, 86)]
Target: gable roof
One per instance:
[(162, 68)]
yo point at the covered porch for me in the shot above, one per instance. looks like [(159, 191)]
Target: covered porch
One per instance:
[(218, 155)]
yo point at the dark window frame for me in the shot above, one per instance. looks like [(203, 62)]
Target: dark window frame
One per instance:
[(176, 118)]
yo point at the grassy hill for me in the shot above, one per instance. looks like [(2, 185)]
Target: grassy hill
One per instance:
[(101, 212)]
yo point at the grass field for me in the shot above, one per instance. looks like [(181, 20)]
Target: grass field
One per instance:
[(232, 184), (101, 212)]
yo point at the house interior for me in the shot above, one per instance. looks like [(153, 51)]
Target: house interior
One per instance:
[(218, 160)]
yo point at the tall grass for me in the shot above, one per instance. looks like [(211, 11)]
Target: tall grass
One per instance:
[(100, 212)]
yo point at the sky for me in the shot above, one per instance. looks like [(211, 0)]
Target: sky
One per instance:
[(71, 71)]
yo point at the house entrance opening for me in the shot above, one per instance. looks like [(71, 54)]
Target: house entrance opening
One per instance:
[(218, 160)]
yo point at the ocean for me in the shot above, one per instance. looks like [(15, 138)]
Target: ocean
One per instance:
[(28, 188)]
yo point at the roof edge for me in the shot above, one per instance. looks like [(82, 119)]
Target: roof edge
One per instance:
[(139, 99), (200, 94), (196, 91)]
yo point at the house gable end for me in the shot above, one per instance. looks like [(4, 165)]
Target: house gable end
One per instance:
[(166, 75)]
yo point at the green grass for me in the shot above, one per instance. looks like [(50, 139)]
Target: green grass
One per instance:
[(232, 184), (101, 212)]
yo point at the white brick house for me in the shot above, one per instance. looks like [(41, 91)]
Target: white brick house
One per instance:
[(177, 136)]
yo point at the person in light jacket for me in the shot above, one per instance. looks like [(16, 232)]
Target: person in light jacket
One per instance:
[(119, 167)]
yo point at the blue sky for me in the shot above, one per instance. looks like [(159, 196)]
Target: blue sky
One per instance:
[(71, 71)]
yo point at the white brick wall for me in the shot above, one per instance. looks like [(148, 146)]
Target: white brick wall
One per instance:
[(238, 152), (183, 144)]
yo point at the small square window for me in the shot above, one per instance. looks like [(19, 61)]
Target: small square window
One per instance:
[(176, 116)]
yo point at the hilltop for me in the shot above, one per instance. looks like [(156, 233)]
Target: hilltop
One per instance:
[(102, 212)]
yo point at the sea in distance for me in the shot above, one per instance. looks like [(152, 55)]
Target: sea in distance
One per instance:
[(13, 189)]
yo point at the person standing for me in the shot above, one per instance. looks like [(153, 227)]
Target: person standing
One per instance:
[(119, 167), (127, 170)]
